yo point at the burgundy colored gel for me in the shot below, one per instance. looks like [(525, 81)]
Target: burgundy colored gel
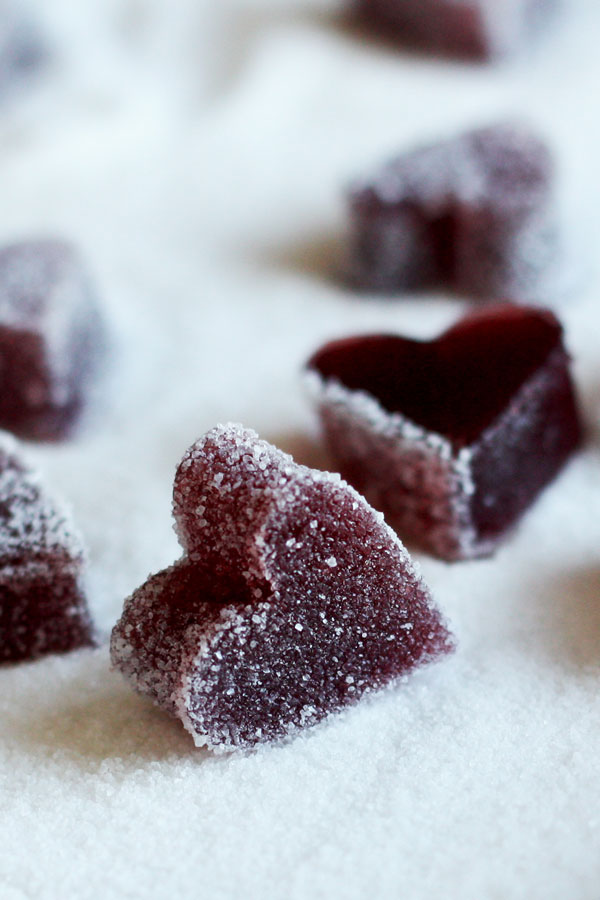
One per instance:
[(476, 214), (452, 439), (292, 600), (473, 29), (51, 339), (42, 604)]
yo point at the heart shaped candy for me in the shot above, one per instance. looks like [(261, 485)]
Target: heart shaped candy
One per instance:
[(455, 438), (51, 339), (292, 600), (42, 604), (476, 213), (477, 29)]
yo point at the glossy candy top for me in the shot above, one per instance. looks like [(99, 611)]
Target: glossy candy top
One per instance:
[(455, 385), (453, 438)]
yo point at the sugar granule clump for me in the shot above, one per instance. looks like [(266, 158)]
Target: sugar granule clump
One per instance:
[(42, 603), (52, 339), (255, 633), (474, 29), (453, 438), (477, 214)]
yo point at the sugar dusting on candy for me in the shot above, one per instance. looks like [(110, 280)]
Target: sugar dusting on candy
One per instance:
[(292, 600), (478, 29), (52, 338), (477, 213), (455, 438), (42, 604)]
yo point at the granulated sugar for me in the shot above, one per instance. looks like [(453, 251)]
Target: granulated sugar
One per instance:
[(206, 202)]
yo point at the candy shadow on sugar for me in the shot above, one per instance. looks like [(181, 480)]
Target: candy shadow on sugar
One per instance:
[(319, 256), (306, 450), (572, 633), (250, 27), (589, 399), (323, 257), (109, 722), (337, 20)]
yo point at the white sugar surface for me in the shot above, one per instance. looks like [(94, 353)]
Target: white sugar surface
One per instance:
[(196, 152)]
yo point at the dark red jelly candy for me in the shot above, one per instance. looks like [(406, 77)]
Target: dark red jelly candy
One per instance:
[(292, 600), (455, 438), (476, 29), (51, 339), (42, 605), (476, 214)]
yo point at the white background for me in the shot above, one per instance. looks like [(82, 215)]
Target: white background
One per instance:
[(196, 152)]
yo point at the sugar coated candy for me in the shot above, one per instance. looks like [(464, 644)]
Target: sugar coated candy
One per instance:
[(474, 29), (51, 339), (454, 438), (42, 603), (293, 599), (477, 214)]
